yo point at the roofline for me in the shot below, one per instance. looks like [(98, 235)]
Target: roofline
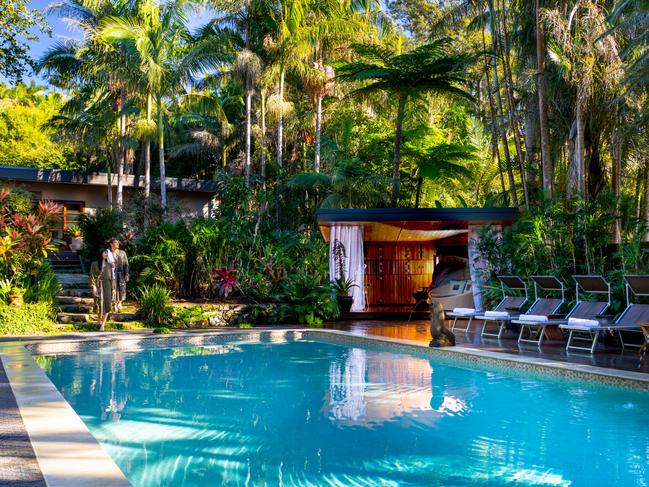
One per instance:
[(62, 176), (473, 215)]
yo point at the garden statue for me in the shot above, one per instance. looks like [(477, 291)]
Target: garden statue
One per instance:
[(441, 336)]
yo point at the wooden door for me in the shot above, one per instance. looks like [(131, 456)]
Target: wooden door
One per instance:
[(394, 271)]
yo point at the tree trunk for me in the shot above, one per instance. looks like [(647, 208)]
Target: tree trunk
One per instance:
[(109, 184), (544, 126), (646, 201), (616, 173), (280, 124), (147, 149), (513, 116), (318, 128), (531, 138), (499, 107), (248, 130), (263, 137), (397, 150), (492, 113), (420, 181), (121, 155), (579, 152), (161, 155)]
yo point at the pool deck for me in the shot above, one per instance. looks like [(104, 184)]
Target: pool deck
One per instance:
[(62, 450), (419, 331)]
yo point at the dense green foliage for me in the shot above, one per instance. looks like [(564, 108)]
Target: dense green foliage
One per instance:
[(25, 138), (30, 318), (25, 240), (565, 239)]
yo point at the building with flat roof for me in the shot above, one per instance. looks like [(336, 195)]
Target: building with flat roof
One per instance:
[(392, 253), (86, 192)]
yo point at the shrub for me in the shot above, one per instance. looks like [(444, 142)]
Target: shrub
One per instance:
[(30, 318), (160, 257), (45, 287), (154, 305), (97, 229), (162, 330), (25, 239)]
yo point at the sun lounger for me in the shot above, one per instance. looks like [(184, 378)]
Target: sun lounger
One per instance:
[(585, 320), (635, 313), (628, 322), (508, 308), (540, 315)]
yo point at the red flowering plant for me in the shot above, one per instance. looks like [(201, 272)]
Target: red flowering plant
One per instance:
[(25, 238), (225, 280)]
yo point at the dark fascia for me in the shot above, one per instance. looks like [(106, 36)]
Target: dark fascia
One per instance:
[(474, 215), (61, 176)]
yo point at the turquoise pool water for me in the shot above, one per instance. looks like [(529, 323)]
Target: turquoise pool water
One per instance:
[(316, 414)]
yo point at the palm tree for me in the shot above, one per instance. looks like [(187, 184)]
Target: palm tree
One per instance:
[(289, 21), (90, 65), (158, 38), (329, 25), (440, 162), (427, 69), (350, 186), (588, 59)]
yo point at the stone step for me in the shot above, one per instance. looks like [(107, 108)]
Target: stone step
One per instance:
[(124, 316), (76, 308), (76, 293), (72, 280), (69, 257), (73, 318), (70, 299)]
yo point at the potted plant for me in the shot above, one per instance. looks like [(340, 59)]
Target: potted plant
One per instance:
[(343, 286), (75, 237)]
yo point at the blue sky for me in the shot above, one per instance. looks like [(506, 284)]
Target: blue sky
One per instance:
[(62, 30)]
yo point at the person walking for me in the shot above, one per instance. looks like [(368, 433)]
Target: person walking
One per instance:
[(102, 283), (121, 273)]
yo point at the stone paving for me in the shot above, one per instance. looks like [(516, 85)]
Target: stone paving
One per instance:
[(18, 465)]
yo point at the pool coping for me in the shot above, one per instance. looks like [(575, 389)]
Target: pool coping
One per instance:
[(70, 456)]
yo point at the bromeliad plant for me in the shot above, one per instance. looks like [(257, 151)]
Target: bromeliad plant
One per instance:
[(225, 280)]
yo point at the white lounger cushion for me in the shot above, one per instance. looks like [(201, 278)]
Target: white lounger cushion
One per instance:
[(463, 311), (496, 314), (533, 318), (583, 322)]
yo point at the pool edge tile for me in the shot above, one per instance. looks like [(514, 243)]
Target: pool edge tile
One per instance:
[(67, 453)]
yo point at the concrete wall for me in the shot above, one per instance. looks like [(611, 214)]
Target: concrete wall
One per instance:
[(193, 203)]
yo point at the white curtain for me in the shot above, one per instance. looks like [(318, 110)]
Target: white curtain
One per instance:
[(351, 237)]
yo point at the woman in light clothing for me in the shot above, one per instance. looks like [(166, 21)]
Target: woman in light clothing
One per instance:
[(102, 284)]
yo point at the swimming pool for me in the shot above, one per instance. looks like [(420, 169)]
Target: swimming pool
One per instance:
[(270, 411)]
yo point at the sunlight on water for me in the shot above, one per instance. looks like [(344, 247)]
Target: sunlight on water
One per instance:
[(283, 413)]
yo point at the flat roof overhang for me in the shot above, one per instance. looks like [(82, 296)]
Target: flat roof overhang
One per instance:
[(414, 224), (62, 176)]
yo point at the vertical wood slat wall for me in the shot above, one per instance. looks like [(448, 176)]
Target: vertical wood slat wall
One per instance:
[(394, 271)]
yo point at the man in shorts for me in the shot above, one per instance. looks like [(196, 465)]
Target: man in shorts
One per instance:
[(121, 273)]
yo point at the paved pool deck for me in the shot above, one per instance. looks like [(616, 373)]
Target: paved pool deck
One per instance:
[(18, 464), (27, 403), (609, 357)]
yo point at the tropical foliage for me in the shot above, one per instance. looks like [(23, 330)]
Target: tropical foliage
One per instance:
[(25, 239)]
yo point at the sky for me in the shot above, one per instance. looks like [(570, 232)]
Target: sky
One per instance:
[(62, 30)]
